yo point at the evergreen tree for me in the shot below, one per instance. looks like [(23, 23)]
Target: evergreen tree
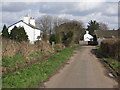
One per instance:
[(92, 25), (14, 33), (18, 34), (22, 36), (5, 33)]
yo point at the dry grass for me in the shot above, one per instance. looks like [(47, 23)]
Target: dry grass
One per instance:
[(16, 55), (11, 48), (44, 48)]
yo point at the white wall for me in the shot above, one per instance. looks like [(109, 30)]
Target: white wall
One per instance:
[(32, 33), (88, 37), (37, 33)]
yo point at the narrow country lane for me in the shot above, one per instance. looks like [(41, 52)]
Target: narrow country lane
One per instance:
[(83, 71)]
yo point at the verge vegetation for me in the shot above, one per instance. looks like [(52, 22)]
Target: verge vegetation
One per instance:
[(34, 75), (16, 55), (109, 53)]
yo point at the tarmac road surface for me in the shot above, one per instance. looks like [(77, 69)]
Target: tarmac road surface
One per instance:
[(83, 70)]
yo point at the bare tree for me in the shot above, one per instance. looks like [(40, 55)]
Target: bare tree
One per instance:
[(103, 26), (57, 21), (45, 24), (48, 24)]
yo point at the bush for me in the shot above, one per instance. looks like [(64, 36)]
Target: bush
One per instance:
[(67, 39), (26, 49), (11, 48), (44, 47), (52, 39), (58, 47), (111, 47)]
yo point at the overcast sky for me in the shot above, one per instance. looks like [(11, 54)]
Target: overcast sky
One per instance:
[(84, 10)]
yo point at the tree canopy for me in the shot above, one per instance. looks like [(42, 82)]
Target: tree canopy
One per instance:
[(92, 25), (71, 32)]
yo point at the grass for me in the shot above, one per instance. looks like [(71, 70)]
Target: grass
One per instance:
[(32, 76), (36, 55), (112, 63), (14, 61), (18, 59)]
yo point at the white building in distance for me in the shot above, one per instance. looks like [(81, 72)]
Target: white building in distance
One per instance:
[(88, 37), (28, 23)]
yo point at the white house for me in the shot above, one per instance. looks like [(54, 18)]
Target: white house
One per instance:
[(29, 25), (88, 37)]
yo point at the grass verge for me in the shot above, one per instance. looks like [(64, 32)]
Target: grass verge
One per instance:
[(14, 61), (37, 73), (113, 64), (18, 59)]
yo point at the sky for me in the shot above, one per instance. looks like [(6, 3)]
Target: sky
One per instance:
[(105, 11)]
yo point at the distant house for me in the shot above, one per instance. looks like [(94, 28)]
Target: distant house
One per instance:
[(88, 37), (28, 23), (103, 34)]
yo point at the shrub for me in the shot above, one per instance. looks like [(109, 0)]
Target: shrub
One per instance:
[(11, 48), (67, 39), (26, 49), (59, 47), (44, 47), (111, 47), (52, 39)]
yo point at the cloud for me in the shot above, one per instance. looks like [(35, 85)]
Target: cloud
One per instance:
[(112, 9), (9, 18), (88, 4), (60, 0), (13, 7), (84, 10), (112, 21), (18, 6)]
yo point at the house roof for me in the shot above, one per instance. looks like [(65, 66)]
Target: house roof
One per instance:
[(34, 27), (107, 33)]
